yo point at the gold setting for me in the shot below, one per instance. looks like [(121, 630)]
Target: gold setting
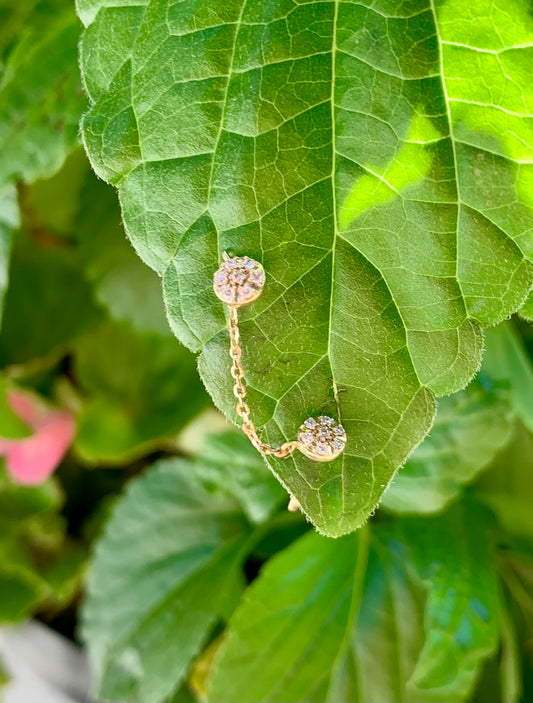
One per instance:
[(321, 438), (239, 280)]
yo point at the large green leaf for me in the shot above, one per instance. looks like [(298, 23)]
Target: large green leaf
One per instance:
[(346, 621), (161, 575), (375, 157), (527, 309), (471, 427), (285, 636)]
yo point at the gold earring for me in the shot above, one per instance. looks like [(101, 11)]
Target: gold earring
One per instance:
[(239, 281)]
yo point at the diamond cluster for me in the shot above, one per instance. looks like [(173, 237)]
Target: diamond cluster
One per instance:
[(321, 438), (239, 280)]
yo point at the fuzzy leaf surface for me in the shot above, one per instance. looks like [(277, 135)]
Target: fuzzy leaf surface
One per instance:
[(376, 157), (396, 617), (161, 575)]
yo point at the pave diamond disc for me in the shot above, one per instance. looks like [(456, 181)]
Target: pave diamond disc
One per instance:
[(239, 281), (321, 438)]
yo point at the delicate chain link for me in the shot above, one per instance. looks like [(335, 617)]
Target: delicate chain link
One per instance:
[(239, 391)]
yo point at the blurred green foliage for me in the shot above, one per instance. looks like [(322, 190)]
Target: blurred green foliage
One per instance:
[(197, 584)]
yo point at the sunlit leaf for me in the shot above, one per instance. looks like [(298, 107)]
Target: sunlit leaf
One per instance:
[(527, 308), (376, 159)]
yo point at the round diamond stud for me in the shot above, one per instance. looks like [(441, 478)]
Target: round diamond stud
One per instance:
[(321, 438), (239, 281)]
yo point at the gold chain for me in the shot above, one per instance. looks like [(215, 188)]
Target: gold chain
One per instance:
[(239, 391), (240, 281)]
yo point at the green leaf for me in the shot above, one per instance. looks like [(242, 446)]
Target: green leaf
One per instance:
[(31, 538), (160, 578), (471, 427), (375, 159), (506, 487), (510, 665), (364, 606), (20, 591), (11, 426), (140, 388), (506, 360), (40, 101), (463, 609), (9, 220), (19, 503), (527, 308), (230, 462), (40, 94), (49, 302), (64, 576), (302, 597), (130, 291)]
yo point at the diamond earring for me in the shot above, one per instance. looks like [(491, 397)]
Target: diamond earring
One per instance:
[(240, 281)]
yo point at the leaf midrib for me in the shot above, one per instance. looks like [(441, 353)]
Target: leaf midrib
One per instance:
[(238, 25), (335, 232), (359, 582), (454, 149)]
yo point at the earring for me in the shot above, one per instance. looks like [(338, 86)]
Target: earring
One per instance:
[(240, 281)]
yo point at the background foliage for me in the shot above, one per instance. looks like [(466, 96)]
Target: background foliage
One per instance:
[(377, 158)]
